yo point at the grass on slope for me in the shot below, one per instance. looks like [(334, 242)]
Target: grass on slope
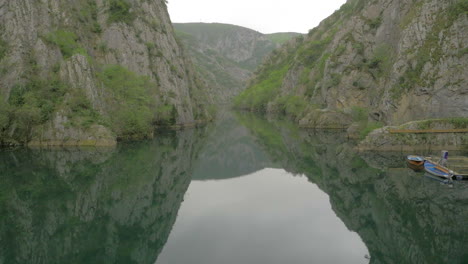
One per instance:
[(256, 97), (282, 37)]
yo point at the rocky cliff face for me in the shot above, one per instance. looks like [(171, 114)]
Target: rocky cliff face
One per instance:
[(226, 55), (396, 60), (92, 70)]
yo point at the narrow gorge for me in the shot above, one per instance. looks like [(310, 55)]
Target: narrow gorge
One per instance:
[(226, 56), (126, 137)]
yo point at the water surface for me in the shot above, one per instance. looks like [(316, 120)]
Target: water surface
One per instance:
[(269, 216), (242, 190)]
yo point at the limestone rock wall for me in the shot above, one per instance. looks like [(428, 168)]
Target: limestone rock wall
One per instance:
[(401, 60), (75, 40)]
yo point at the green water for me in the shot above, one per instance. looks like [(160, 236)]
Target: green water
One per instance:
[(241, 190)]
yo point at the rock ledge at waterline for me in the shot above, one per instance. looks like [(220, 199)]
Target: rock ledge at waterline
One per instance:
[(435, 134)]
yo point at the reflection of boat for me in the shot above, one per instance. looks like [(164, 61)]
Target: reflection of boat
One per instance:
[(415, 162), (438, 179), (460, 176)]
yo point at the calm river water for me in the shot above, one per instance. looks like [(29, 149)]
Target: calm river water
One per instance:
[(243, 190)]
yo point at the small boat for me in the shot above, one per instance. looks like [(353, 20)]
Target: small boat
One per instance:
[(415, 163), (438, 170)]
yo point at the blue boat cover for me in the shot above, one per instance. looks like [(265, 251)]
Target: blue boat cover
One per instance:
[(435, 170)]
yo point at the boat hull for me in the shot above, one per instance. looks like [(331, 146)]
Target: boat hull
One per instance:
[(415, 163), (437, 170)]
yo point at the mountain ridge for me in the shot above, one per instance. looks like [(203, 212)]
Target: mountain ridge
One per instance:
[(374, 61), (226, 55)]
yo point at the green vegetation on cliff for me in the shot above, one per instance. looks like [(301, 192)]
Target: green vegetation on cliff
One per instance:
[(257, 97), (282, 37), (397, 70), (269, 78), (120, 11), (35, 102), (30, 104), (67, 42), (88, 14), (131, 101)]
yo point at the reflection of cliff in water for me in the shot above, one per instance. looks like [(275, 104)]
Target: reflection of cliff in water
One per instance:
[(402, 216), (96, 206), (230, 152)]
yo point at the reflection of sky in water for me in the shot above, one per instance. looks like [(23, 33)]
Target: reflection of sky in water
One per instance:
[(269, 216)]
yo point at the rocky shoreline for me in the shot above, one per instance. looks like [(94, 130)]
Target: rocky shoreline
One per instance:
[(385, 139)]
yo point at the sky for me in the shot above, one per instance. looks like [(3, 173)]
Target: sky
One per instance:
[(265, 16)]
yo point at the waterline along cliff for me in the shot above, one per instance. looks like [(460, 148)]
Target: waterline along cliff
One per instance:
[(91, 72), (82, 205), (401, 216), (383, 62)]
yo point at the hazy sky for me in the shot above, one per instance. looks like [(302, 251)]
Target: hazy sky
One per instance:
[(266, 16)]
